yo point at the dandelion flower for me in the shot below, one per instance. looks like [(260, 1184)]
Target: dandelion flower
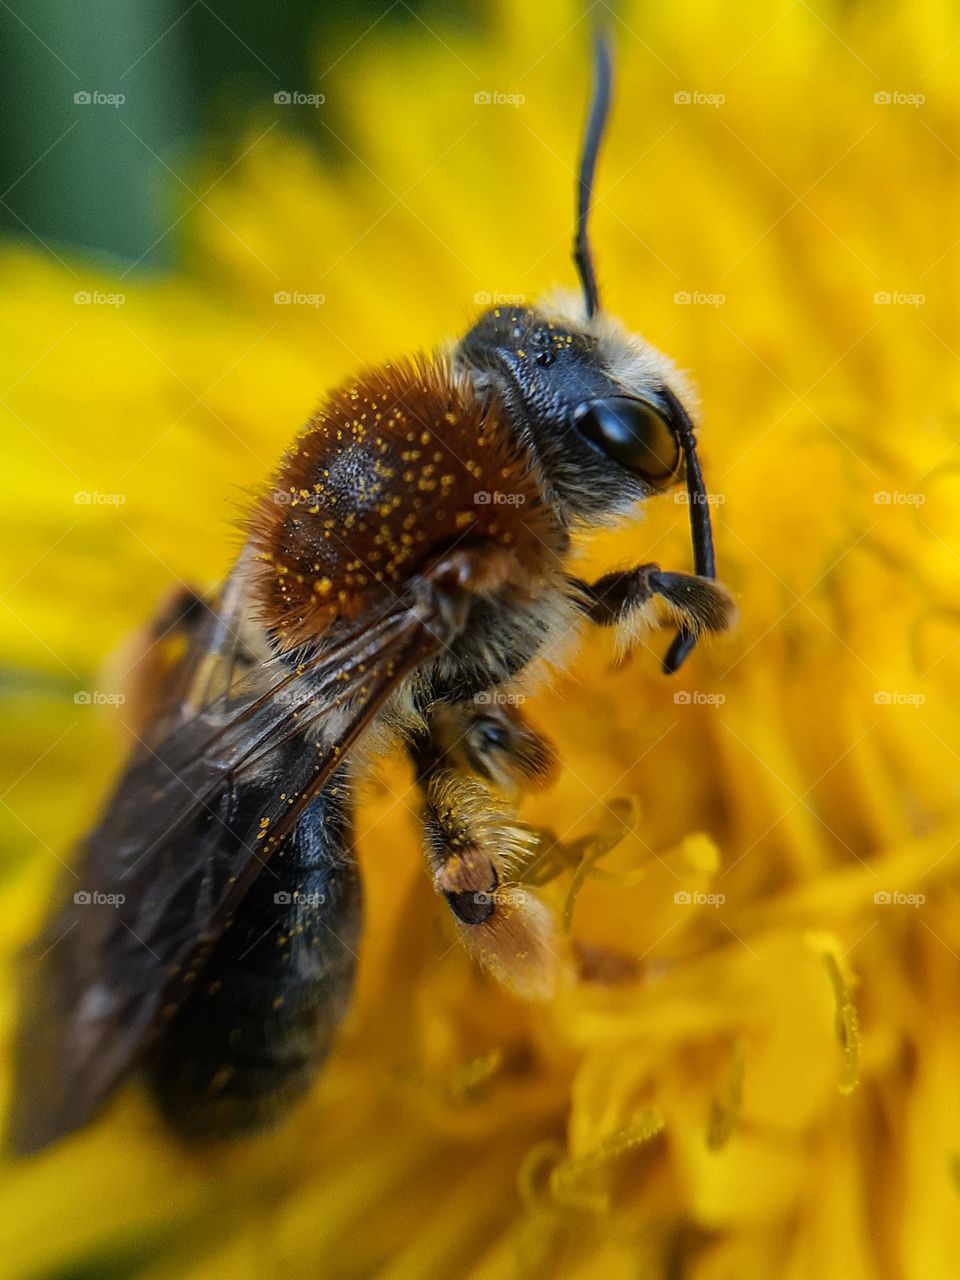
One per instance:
[(756, 1071)]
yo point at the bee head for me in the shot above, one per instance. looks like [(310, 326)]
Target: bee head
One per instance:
[(596, 407)]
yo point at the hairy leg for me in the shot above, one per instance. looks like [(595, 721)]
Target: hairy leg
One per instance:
[(635, 600), (471, 761)]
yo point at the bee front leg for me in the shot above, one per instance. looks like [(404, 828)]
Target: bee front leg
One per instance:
[(635, 600), (464, 759)]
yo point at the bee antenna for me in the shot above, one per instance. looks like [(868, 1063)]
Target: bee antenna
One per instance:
[(596, 126), (700, 531)]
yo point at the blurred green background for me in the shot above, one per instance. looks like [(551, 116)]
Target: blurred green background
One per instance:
[(105, 178)]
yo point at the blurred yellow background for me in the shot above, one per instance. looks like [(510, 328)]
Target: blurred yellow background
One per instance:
[(778, 207)]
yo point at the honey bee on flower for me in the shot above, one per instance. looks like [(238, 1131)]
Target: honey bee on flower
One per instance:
[(746, 1065), (374, 592)]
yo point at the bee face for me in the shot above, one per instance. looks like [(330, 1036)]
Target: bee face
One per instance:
[(594, 405)]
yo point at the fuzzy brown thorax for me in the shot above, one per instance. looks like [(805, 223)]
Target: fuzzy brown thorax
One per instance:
[(394, 469)]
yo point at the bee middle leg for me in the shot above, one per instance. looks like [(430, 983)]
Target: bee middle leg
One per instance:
[(471, 761)]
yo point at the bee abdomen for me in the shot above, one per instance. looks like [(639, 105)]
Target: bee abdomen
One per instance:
[(247, 1041)]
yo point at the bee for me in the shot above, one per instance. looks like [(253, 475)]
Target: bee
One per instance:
[(407, 563)]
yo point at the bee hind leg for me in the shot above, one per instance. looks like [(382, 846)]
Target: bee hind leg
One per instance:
[(465, 760)]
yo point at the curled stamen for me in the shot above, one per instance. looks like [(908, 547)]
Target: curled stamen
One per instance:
[(532, 1182), (725, 1111), (848, 1026), (595, 848), (465, 1082), (571, 1179)]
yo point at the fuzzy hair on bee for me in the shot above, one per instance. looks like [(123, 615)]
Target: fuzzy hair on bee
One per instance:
[(404, 575), (509, 931), (389, 469)]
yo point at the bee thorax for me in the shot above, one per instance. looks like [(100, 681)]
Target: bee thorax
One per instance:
[(393, 471)]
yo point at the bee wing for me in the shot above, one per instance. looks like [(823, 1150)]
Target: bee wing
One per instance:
[(191, 823)]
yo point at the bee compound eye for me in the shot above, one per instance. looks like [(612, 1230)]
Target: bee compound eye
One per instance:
[(633, 434)]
